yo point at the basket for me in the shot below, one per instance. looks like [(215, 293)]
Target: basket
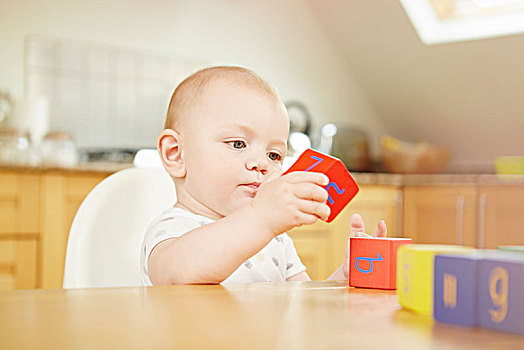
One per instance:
[(413, 158)]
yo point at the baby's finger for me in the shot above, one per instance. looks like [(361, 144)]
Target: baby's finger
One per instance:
[(321, 210), (305, 219), (356, 224), (307, 176), (381, 230), (311, 192)]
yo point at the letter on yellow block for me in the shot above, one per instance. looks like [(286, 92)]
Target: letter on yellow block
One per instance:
[(415, 271)]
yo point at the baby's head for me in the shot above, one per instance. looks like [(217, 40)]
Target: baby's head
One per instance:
[(225, 134)]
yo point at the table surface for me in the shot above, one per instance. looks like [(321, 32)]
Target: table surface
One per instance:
[(298, 315)]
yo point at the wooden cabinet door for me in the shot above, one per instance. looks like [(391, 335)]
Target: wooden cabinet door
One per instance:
[(501, 216), (312, 244), (19, 227), (376, 203), (19, 203), (62, 195), (18, 268), (440, 214)]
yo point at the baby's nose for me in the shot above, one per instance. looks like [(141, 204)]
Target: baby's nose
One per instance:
[(257, 163)]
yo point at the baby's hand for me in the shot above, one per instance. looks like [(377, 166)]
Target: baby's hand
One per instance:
[(357, 230), (292, 200)]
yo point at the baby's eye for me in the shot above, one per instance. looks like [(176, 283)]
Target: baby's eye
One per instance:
[(274, 156), (238, 144)]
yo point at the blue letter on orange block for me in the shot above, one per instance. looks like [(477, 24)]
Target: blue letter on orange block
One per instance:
[(370, 263)]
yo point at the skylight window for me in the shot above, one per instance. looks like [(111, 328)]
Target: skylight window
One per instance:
[(443, 21)]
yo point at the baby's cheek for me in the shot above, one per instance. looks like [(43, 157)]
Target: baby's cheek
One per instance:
[(274, 174)]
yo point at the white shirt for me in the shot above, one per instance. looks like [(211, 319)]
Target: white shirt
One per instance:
[(276, 262)]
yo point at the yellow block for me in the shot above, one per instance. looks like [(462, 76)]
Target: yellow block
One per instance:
[(415, 271)]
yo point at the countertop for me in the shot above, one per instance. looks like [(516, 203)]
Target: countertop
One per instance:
[(384, 179), (88, 167)]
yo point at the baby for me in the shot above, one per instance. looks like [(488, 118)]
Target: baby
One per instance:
[(224, 141)]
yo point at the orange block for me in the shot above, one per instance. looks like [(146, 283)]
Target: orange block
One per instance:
[(373, 262), (341, 188)]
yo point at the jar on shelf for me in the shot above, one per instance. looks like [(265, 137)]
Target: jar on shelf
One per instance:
[(14, 147), (58, 149)]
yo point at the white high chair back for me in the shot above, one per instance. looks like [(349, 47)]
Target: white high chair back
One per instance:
[(103, 248)]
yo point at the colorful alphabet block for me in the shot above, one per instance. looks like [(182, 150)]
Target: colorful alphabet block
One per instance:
[(455, 292), (373, 262), (500, 290), (341, 188), (415, 271), (511, 248), (482, 289)]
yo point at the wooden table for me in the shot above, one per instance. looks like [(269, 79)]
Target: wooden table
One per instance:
[(301, 315)]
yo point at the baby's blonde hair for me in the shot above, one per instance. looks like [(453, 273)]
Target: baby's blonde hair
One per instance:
[(189, 91)]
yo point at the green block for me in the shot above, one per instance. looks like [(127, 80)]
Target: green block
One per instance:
[(511, 248)]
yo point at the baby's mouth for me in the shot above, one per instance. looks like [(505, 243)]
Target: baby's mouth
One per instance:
[(252, 186)]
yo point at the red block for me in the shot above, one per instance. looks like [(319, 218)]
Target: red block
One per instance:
[(341, 188), (373, 262)]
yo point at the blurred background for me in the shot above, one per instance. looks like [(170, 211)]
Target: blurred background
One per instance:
[(102, 71), (428, 88)]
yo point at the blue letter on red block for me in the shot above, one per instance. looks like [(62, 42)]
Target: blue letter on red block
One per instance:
[(341, 188)]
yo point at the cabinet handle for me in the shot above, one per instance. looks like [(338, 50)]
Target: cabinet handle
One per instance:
[(398, 214), (482, 220), (460, 220)]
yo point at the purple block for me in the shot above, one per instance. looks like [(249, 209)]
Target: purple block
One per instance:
[(455, 289), (501, 290)]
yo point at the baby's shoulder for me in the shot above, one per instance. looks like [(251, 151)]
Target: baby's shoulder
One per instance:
[(175, 222), (173, 214)]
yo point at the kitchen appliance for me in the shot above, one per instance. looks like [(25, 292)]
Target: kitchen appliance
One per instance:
[(299, 117), (351, 145), (299, 128)]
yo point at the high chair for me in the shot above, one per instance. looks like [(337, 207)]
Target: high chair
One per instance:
[(103, 248)]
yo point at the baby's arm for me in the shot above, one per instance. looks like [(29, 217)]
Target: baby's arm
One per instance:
[(209, 254), (356, 230)]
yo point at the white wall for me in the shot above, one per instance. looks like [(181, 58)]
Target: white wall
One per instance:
[(281, 40)]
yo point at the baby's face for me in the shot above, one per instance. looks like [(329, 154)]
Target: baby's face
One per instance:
[(236, 140)]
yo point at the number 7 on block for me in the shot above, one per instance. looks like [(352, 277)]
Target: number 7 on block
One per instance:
[(341, 189)]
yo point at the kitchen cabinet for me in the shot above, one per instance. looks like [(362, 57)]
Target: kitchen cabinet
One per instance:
[(313, 245), (440, 214), (36, 212), (62, 194), (19, 226), (37, 208), (500, 216), (18, 268), (322, 246)]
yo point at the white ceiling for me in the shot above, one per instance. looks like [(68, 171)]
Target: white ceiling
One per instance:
[(467, 95)]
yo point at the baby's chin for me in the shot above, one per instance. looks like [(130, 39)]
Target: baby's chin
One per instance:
[(240, 203)]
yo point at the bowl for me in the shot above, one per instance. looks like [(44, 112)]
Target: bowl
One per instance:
[(509, 165), (413, 158)]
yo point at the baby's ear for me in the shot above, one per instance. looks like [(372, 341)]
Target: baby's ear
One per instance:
[(168, 145)]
